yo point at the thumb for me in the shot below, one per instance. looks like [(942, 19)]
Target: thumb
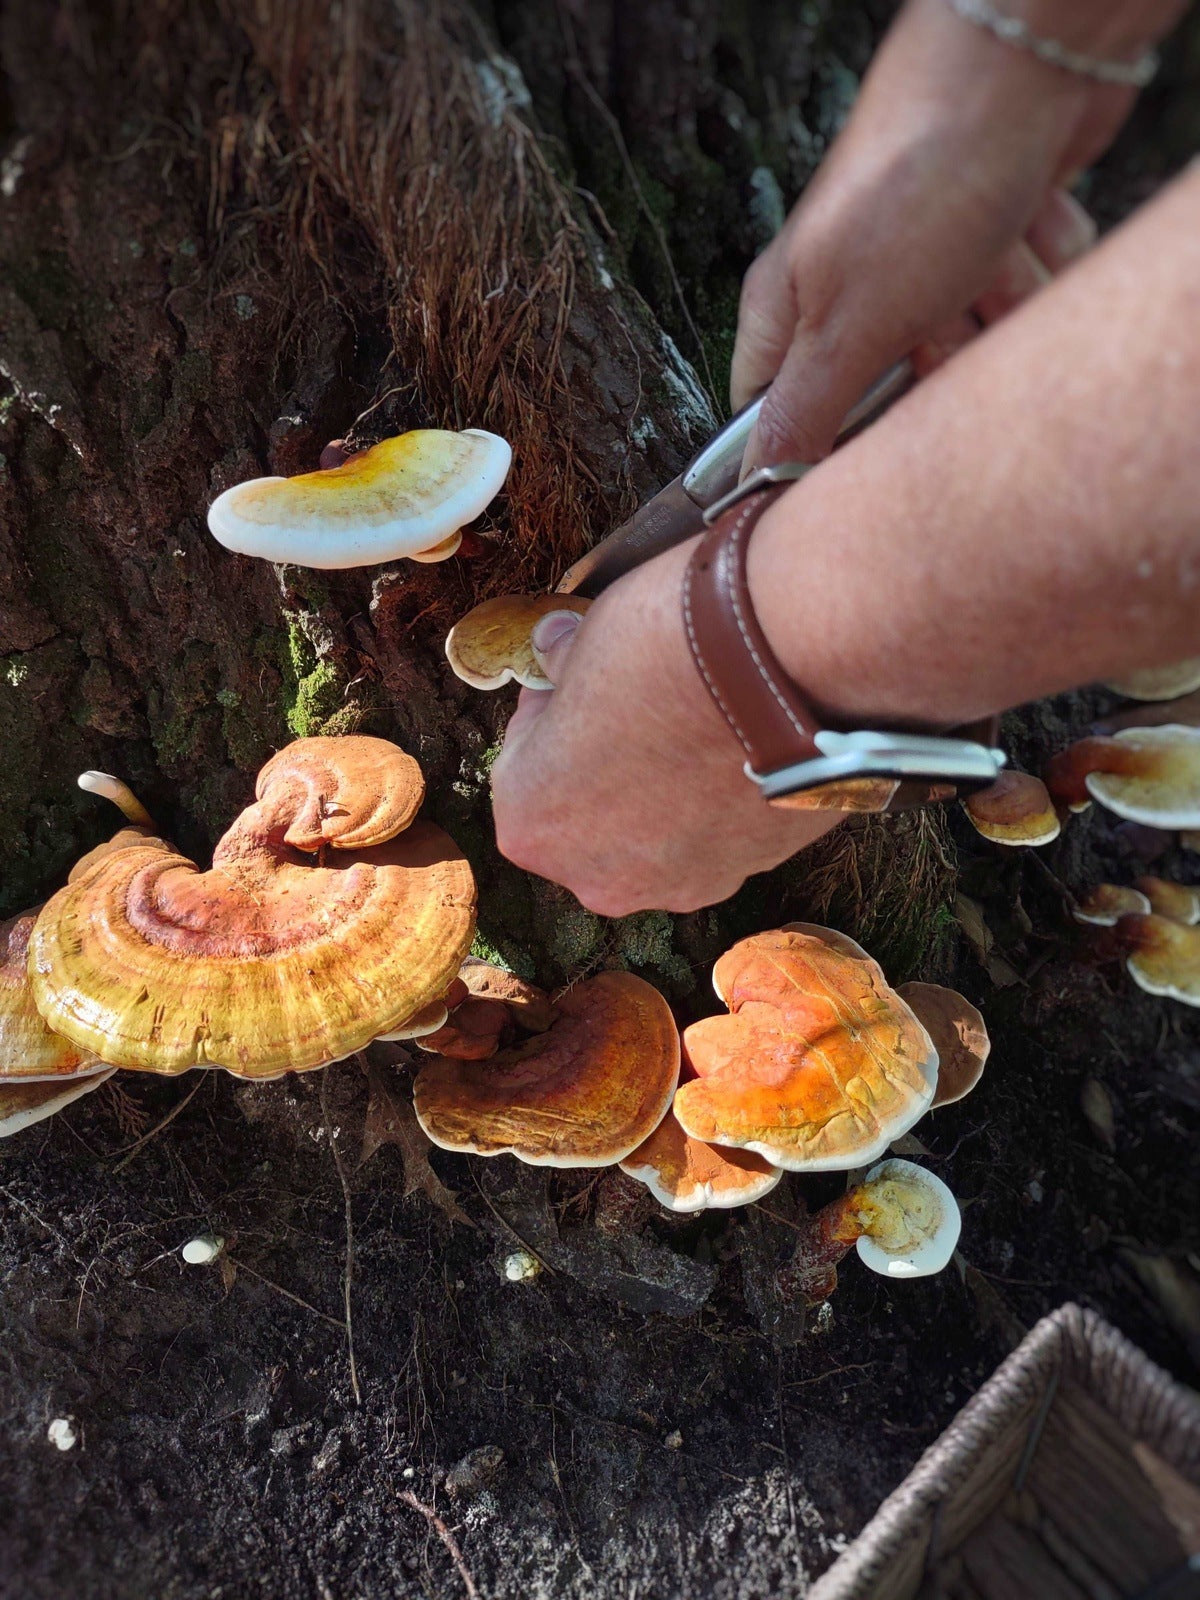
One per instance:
[(552, 638)]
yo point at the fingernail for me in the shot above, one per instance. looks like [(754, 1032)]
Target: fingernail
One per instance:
[(1073, 228), (553, 628)]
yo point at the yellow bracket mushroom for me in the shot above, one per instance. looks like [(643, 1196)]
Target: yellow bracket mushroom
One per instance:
[(493, 644), (407, 496), (903, 1221), (271, 961)]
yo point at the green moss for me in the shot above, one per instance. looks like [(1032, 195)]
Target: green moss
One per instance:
[(646, 941), (318, 697), (313, 690), (573, 935), (484, 950)]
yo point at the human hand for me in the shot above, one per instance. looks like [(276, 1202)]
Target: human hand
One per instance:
[(624, 783), (939, 209)]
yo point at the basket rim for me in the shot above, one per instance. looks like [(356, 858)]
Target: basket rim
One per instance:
[(1072, 1341)]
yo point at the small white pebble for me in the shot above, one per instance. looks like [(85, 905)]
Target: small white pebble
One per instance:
[(61, 1434), (202, 1250), (521, 1266), (1035, 1191), (409, 1472), (674, 1441)]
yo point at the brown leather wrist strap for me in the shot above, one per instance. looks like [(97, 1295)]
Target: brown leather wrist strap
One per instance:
[(740, 670), (776, 726)]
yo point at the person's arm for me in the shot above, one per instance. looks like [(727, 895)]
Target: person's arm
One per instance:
[(936, 208), (1026, 520)]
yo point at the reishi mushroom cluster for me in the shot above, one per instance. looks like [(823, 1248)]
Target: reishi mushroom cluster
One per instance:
[(1143, 765), (817, 1065), (328, 919), (331, 918)]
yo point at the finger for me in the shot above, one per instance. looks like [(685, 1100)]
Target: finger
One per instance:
[(1021, 275), (531, 703), (935, 351), (765, 325), (1061, 231), (552, 638)]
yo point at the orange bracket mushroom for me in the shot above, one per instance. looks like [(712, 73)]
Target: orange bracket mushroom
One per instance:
[(490, 1005), (351, 792), (270, 962), (1149, 775), (407, 496), (585, 1093), (685, 1174), (1104, 905), (1179, 901), (818, 1066), (493, 644), (23, 1104), (1015, 810), (1163, 956)]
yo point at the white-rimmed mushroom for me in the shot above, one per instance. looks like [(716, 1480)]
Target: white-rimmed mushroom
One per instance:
[(1105, 903), (407, 496), (1160, 683), (1149, 775), (493, 644), (910, 1221), (23, 1104)]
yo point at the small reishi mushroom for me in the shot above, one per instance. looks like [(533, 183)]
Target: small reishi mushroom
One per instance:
[(351, 791), (1149, 775), (270, 962), (23, 1104), (407, 496), (492, 1005), (959, 1034), (1163, 956), (685, 1174), (1179, 901), (493, 644), (1015, 810), (1106, 903), (903, 1221), (1160, 683), (818, 1066), (584, 1093), (121, 795)]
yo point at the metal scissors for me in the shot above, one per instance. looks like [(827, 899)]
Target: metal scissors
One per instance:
[(701, 491)]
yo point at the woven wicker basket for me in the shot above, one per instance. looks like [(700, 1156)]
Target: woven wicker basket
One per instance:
[(1074, 1474)]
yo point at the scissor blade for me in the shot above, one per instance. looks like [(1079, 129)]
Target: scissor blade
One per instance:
[(665, 520)]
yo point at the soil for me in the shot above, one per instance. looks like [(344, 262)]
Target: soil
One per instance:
[(620, 1423)]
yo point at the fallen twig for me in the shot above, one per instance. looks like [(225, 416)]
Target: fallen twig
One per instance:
[(348, 1273), (286, 1293), (131, 1150), (447, 1538)]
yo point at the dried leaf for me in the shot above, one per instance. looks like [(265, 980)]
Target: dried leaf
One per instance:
[(1097, 1106), (968, 914), (1175, 1288), (392, 1120)]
